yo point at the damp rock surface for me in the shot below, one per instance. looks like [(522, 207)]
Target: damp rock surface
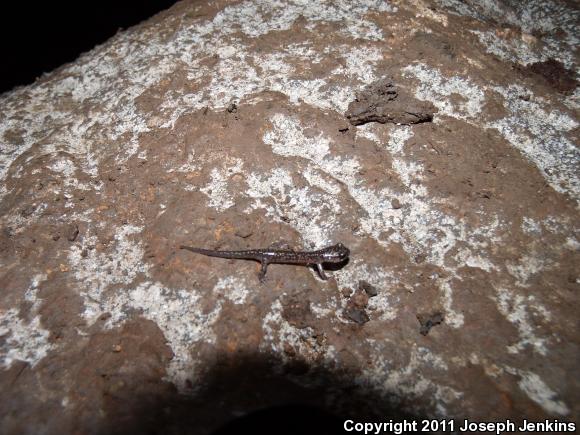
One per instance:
[(223, 125)]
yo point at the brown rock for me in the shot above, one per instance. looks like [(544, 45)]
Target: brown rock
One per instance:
[(384, 102)]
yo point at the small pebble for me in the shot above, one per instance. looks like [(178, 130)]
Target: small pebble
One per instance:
[(429, 321), (356, 315), (72, 232), (368, 288)]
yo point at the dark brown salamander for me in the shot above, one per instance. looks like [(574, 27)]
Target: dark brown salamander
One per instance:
[(331, 254)]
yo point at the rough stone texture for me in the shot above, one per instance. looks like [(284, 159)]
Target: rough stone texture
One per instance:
[(222, 124), (384, 102)]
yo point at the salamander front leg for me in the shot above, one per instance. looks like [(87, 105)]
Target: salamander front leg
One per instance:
[(262, 275), (321, 271)]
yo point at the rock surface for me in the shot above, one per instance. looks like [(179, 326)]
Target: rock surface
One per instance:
[(222, 125), (383, 102)]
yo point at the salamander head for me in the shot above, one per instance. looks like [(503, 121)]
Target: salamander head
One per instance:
[(336, 253)]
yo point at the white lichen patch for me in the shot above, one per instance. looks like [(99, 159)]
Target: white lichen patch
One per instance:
[(31, 294), (67, 169), (519, 50), (218, 190), (468, 258), (279, 335), (325, 310), (177, 312), (131, 64), (572, 101), (287, 139), (409, 380), (397, 139), (318, 179), (420, 226), (22, 340), (438, 89), (19, 222), (526, 268), (425, 10), (385, 302), (547, 29), (179, 315), (453, 318), (360, 63), (97, 271), (560, 224), (537, 390), (540, 134), (572, 244), (240, 74), (311, 212), (232, 288), (516, 308), (190, 165), (531, 227), (260, 17), (529, 382), (64, 167)]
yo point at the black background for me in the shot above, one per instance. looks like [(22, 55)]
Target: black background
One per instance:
[(37, 37)]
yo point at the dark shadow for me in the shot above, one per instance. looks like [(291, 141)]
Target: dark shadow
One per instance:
[(333, 267), (257, 395), (38, 39), (284, 420)]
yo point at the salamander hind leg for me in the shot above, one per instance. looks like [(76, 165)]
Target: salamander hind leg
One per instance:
[(262, 275), (321, 271)]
